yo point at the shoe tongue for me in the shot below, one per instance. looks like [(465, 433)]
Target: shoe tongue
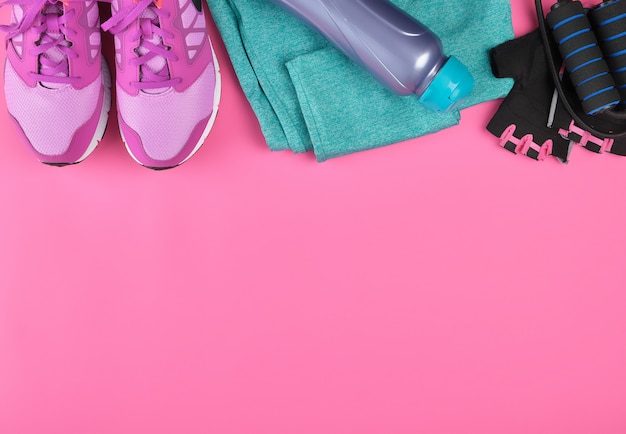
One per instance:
[(157, 64), (54, 55)]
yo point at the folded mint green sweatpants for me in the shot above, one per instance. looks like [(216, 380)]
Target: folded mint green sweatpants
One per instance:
[(309, 96)]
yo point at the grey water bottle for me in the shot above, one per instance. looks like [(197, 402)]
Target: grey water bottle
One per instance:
[(399, 51)]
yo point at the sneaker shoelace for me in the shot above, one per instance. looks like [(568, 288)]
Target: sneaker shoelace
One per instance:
[(152, 53), (47, 19)]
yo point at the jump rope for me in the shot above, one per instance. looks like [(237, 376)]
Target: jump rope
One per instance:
[(592, 45)]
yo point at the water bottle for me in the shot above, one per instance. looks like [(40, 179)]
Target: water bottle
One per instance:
[(399, 51)]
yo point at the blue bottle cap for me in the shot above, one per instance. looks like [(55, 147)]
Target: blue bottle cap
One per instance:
[(452, 83)]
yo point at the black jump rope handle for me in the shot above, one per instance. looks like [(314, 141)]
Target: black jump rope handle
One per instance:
[(609, 24), (584, 59)]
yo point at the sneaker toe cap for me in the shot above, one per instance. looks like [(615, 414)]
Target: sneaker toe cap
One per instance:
[(55, 123), (162, 130)]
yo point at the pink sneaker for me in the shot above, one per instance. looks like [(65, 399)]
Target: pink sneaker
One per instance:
[(168, 82), (56, 84)]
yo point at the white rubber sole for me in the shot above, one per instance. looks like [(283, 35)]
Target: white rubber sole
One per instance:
[(217, 94)]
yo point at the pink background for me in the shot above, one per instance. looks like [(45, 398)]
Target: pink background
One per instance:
[(441, 285)]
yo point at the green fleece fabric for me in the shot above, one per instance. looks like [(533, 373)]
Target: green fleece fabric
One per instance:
[(308, 95)]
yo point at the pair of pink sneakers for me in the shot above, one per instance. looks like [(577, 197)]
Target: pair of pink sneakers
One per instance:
[(57, 84)]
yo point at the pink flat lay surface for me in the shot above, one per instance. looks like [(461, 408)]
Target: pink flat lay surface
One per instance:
[(440, 285)]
